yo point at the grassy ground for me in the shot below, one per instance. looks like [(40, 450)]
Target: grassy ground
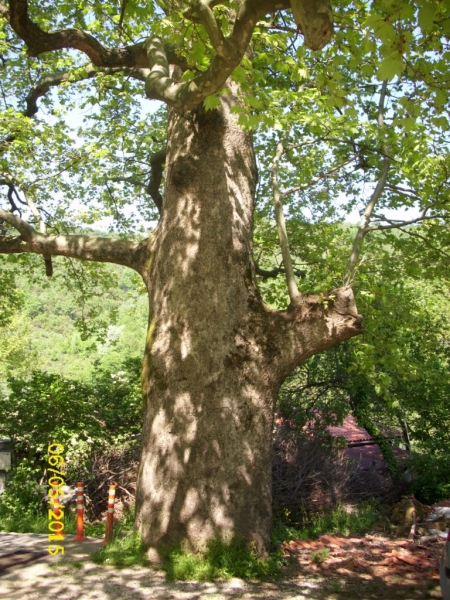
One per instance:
[(219, 561), (36, 522), (343, 521), (236, 559)]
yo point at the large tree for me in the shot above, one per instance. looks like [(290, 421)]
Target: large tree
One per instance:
[(216, 354)]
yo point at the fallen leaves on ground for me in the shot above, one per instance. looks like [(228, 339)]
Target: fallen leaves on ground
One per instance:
[(369, 557)]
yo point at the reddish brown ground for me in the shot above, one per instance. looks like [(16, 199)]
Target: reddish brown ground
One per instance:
[(369, 567)]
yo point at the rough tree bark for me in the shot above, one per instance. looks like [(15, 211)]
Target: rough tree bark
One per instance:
[(215, 355)]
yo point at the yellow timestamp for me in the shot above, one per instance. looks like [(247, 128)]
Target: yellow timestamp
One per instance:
[(55, 482)]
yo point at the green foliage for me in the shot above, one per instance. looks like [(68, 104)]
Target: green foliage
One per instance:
[(320, 556), (123, 551), (431, 481), (356, 519), (11, 297), (220, 560), (21, 499), (47, 408), (71, 333)]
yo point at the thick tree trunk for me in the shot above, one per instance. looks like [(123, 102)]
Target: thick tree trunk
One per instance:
[(215, 356)]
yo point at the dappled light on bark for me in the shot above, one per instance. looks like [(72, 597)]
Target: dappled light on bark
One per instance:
[(215, 354)]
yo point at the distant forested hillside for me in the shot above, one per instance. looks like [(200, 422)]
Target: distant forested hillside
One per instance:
[(61, 326)]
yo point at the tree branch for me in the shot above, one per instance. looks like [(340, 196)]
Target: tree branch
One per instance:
[(87, 72), (37, 215), (365, 220), (313, 16), (187, 95), (157, 161), (425, 241), (82, 247), (212, 27), (123, 8), (400, 224), (272, 273), (294, 294), (42, 229), (40, 41), (305, 186)]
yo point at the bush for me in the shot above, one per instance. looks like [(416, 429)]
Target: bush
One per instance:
[(85, 418), (431, 477)]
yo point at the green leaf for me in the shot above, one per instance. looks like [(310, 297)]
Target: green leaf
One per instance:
[(211, 102), (254, 102), (427, 13), (390, 67)]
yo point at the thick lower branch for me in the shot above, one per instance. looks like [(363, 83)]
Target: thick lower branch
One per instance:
[(40, 41), (122, 252), (320, 322)]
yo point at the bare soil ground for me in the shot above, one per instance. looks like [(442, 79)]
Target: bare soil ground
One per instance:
[(354, 568)]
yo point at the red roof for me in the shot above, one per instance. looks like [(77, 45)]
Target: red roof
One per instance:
[(354, 434), (350, 430), (371, 456)]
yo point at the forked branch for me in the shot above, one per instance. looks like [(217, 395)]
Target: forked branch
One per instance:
[(13, 186)]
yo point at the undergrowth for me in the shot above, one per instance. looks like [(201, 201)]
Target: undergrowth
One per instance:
[(124, 551), (31, 521), (220, 561), (359, 519)]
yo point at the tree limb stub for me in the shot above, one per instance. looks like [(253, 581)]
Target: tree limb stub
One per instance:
[(97, 249), (318, 323), (315, 19), (157, 161)]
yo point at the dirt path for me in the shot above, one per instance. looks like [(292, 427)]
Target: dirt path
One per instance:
[(47, 577)]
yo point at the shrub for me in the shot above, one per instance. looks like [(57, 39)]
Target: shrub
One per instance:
[(85, 418), (431, 477)]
